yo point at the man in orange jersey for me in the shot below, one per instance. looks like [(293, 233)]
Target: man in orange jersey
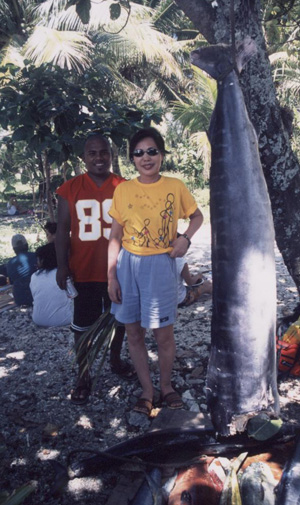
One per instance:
[(83, 228)]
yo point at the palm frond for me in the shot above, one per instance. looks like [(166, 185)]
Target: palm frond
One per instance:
[(65, 49), (12, 54), (159, 88), (193, 117), (142, 42), (58, 16), (95, 340), (201, 143), (138, 41), (194, 114)]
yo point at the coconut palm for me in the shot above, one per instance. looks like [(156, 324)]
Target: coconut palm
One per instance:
[(194, 110)]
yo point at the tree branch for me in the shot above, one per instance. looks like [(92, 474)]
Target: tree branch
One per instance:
[(203, 16)]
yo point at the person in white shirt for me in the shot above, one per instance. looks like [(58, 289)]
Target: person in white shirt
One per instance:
[(13, 208), (51, 305)]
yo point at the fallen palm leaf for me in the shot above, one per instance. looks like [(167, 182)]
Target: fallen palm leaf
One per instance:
[(19, 495), (96, 339)]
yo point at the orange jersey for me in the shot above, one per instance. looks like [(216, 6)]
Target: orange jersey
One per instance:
[(90, 225)]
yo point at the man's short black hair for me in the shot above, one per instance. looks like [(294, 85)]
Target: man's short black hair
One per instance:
[(97, 134)]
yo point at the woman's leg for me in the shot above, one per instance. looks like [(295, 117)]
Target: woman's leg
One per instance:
[(166, 355), (139, 355)]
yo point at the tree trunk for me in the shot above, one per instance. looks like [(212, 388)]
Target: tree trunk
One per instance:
[(280, 165), (115, 160), (48, 189)]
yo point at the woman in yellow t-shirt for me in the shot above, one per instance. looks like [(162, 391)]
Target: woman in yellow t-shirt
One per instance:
[(143, 245)]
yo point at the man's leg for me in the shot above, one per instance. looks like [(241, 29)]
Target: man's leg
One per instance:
[(81, 391), (86, 310), (116, 345)]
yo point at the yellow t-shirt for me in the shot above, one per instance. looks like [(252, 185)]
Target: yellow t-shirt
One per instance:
[(149, 213)]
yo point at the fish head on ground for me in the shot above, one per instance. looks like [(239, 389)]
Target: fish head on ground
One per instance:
[(195, 485), (217, 60), (257, 485)]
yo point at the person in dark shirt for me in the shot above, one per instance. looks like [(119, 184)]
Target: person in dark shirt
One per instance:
[(19, 270)]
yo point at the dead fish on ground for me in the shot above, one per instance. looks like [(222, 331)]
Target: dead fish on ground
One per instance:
[(175, 446), (257, 485), (231, 491), (150, 491), (195, 485), (242, 371), (288, 489)]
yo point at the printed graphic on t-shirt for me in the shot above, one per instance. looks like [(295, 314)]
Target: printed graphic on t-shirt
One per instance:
[(143, 237), (92, 216)]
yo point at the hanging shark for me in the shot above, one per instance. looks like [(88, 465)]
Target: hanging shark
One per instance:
[(242, 373)]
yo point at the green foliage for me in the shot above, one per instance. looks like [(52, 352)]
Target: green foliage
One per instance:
[(129, 78), (96, 340), (281, 23), (186, 161), (45, 108), (262, 427)]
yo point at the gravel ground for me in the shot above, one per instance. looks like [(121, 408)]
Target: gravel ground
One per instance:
[(39, 424)]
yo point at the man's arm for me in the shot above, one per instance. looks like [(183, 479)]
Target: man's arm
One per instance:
[(114, 246), (62, 242)]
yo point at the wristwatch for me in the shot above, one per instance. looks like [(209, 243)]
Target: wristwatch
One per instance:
[(188, 238)]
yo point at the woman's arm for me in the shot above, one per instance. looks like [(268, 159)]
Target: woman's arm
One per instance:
[(114, 246), (181, 244)]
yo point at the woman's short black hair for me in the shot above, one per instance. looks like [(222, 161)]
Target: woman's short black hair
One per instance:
[(144, 133), (47, 256)]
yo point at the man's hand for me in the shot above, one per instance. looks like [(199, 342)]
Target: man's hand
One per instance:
[(61, 276)]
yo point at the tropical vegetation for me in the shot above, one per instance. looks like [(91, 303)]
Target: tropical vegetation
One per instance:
[(69, 67)]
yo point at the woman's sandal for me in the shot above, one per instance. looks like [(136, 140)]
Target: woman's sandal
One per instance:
[(143, 406), (124, 370), (80, 394), (173, 400)]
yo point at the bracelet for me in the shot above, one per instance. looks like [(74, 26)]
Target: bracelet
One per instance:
[(188, 238)]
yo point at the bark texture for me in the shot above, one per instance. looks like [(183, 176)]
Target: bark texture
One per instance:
[(280, 165)]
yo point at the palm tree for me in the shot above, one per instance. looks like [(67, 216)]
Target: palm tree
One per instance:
[(193, 111)]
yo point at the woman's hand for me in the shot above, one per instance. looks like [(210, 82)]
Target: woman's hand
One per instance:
[(114, 291), (180, 246)]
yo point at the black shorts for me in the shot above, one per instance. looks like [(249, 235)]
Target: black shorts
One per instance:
[(91, 302)]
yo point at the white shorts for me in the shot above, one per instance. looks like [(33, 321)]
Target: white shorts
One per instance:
[(149, 290)]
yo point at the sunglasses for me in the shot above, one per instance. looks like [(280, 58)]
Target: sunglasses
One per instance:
[(151, 151)]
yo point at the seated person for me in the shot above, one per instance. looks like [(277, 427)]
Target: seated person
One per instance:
[(13, 208), (19, 270), (51, 305), (50, 230), (3, 280), (190, 287)]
